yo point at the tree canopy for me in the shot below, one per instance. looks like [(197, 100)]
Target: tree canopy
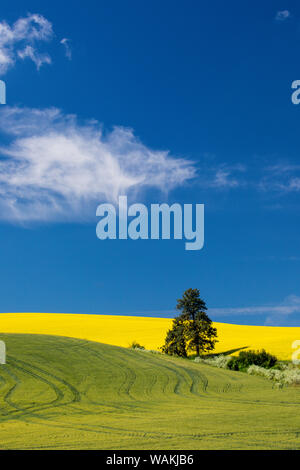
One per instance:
[(192, 330)]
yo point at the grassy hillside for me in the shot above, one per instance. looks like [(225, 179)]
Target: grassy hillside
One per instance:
[(58, 392), (150, 332)]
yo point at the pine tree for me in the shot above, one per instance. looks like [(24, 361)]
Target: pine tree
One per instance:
[(175, 343), (192, 330)]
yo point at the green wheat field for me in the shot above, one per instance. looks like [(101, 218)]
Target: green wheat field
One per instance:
[(62, 393)]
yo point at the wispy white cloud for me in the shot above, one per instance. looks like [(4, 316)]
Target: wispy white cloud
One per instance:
[(228, 177), (219, 175), (282, 177), (282, 15), (57, 168), (280, 316), (275, 315), (66, 43), (21, 41), (271, 315), (37, 58), (279, 179)]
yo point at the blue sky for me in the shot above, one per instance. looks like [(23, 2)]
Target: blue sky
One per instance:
[(171, 101)]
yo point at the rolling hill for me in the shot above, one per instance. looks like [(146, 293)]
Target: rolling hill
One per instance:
[(150, 332), (66, 393)]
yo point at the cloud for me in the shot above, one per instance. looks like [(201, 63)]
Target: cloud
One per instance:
[(280, 316), (227, 177), (282, 15), (66, 43), (38, 59), (275, 315), (20, 41), (223, 176), (282, 177), (55, 168), (272, 315)]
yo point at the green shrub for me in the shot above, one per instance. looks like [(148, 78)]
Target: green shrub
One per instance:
[(286, 376), (246, 359), (216, 361), (135, 345)]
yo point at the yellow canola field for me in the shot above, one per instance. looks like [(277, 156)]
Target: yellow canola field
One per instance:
[(149, 332)]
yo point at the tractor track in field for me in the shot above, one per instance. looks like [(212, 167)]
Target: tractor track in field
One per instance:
[(198, 379), (33, 410), (130, 378), (164, 377), (59, 394), (134, 433), (183, 376), (123, 388), (128, 373), (191, 379), (76, 397), (17, 412)]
